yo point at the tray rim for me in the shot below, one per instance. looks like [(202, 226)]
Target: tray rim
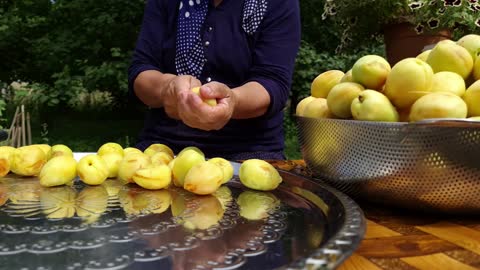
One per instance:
[(347, 238)]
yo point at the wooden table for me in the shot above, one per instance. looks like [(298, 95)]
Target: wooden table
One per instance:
[(400, 239)]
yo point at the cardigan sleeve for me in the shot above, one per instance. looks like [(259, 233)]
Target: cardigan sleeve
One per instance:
[(147, 53), (275, 51)]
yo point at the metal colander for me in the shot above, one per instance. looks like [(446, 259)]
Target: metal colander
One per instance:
[(428, 165)]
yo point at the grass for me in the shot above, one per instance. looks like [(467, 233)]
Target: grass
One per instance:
[(292, 145), (87, 132)]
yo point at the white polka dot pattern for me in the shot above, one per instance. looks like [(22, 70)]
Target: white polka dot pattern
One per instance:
[(253, 13), (190, 54), (190, 57)]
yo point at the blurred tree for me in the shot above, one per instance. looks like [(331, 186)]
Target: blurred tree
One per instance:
[(45, 41), (320, 33)]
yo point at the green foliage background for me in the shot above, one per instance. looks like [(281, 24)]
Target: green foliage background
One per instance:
[(74, 55)]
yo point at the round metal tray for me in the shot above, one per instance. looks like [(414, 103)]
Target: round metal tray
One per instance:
[(302, 224)]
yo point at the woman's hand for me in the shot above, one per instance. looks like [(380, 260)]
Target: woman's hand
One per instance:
[(197, 114), (177, 86)]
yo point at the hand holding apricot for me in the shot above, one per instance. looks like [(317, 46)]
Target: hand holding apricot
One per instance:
[(176, 87), (195, 113)]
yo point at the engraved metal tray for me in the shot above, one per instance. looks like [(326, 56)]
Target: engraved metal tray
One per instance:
[(300, 225)]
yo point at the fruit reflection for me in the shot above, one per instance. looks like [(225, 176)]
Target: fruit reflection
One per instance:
[(112, 187), (91, 203), (315, 235), (3, 194), (58, 202), (256, 205), (313, 198), (31, 199), (138, 201), (20, 189), (224, 196), (196, 212)]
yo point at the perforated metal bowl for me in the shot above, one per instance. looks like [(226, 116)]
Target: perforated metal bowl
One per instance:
[(430, 165)]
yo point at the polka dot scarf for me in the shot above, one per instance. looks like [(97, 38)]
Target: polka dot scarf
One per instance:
[(190, 55)]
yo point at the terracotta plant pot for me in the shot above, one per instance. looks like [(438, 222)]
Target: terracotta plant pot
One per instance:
[(402, 41)]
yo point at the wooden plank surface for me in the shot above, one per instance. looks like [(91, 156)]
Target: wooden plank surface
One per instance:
[(357, 262), (435, 261), (394, 240), (459, 235), (404, 240)]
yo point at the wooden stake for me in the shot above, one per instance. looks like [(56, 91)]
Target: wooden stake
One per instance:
[(24, 139), (11, 130), (14, 136), (19, 136), (29, 130)]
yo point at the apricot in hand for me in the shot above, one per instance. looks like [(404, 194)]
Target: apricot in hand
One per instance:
[(212, 102)]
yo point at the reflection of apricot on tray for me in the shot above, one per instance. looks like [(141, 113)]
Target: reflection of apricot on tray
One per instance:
[(58, 202), (315, 235), (224, 195), (138, 201), (256, 205), (112, 186), (91, 202), (197, 212), (23, 189), (3, 194), (312, 198)]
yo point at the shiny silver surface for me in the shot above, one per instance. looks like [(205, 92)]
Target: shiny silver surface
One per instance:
[(301, 225), (433, 165)]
